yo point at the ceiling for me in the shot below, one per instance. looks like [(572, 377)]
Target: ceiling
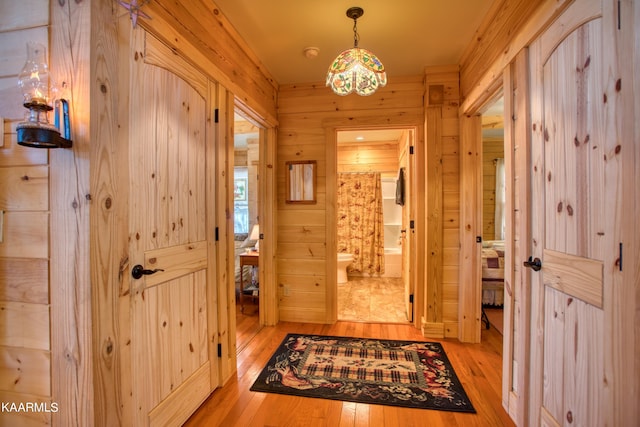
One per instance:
[(406, 35)]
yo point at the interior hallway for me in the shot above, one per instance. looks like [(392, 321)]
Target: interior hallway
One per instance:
[(365, 299), (478, 366)]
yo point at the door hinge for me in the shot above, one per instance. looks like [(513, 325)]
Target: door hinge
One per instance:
[(411, 149), (412, 224), (216, 115), (411, 298), (619, 15), (217, 234), (620, 259), (219, 350)]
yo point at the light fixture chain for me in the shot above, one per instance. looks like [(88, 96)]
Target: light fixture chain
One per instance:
[(356, 36)]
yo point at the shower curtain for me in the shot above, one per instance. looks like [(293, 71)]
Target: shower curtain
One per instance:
[(360, 223)]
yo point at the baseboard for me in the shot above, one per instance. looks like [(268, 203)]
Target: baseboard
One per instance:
[(431, 329)]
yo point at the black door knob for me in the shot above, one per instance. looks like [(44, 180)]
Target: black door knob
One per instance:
[(534, 264), (138, 271)]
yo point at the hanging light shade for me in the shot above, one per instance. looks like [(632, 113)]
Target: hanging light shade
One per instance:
[(356, 69)]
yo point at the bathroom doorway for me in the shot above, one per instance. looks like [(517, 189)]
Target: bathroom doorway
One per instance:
[(375, 289)]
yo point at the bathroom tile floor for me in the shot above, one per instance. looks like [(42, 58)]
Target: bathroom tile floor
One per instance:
[(365, 299)]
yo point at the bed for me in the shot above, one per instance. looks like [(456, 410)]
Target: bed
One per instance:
[(493, 273)]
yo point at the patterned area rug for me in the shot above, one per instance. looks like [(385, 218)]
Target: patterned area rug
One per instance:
[(385, 372)]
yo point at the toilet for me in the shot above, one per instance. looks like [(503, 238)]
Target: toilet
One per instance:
[(343, 261)]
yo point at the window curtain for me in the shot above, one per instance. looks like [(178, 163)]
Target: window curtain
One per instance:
[(360, 223), (500, 200)]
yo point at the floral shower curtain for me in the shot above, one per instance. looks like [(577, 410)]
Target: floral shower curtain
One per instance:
[(360, 223)]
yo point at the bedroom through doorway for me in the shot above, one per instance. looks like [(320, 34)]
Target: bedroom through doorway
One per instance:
[(246, 228), (493, 215)]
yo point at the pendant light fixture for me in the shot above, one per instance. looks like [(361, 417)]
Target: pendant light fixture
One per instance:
[(356, 69)]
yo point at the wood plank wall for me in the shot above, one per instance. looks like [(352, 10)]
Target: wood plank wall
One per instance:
[(369, 157), (442, 239), (509, 26), (28, 371), (188, 28), (305, 112), (25, 347), (504, 19)]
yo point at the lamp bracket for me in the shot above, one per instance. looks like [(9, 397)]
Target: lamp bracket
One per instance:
[(355, 12), (41, 137)]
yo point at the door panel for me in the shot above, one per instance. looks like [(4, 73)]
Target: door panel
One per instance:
[(171, 304), (408, 212), (573, 275)]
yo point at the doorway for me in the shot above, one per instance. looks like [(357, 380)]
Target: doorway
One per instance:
[(246, 228), (375, 286), (493, 215)]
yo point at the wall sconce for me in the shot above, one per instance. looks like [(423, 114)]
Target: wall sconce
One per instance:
[(35, 82)]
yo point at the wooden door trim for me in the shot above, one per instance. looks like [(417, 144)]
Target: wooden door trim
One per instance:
[(222, 191), (267, 209), (470, 291), (518, 236)]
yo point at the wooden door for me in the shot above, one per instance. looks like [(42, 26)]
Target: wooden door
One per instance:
[(408, 213), (172, 305), (576, 217)]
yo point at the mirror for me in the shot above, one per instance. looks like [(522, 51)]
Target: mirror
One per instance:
[(301, 181)]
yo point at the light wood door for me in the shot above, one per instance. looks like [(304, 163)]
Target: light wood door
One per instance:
[(408, 233), (576, 212), (172, 302)]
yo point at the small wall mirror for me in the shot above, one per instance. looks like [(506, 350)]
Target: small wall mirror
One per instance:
[(301, 181)]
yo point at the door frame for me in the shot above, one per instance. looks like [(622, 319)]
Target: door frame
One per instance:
[(511, 82), (416, 275), (267, 207)]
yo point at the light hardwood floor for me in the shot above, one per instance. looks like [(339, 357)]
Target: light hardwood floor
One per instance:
[(478, 367), (247, 323)]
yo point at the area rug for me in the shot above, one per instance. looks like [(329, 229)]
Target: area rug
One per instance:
[(387, 372)]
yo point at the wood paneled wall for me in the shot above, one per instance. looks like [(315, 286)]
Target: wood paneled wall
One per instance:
[(25, 346), (45, 360), (509, 26), (369, 157), (188, 28), (306, 246), (442, 210)]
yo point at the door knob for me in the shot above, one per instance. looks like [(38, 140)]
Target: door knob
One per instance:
[(138, 271), (534, 264)]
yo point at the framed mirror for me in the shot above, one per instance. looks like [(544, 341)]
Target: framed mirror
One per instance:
[(300, 177)]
